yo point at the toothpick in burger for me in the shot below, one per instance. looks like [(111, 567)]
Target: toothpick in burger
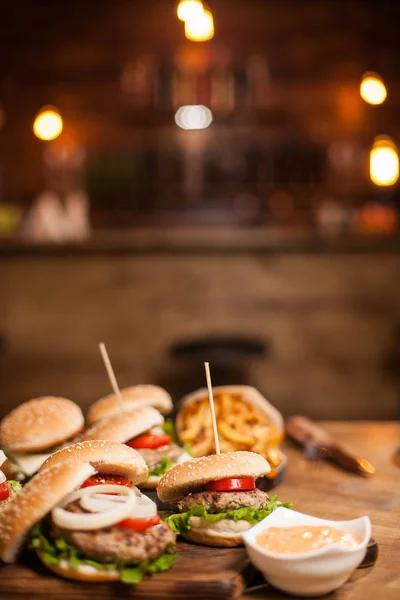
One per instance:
[(216, 498), (35, 429), (141, 429), (85, 518)]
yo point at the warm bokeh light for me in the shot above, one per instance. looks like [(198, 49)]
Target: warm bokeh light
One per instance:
[(190, 9), (48, 124), (372, 89), (193, 117), (200, 29), (384, 162)]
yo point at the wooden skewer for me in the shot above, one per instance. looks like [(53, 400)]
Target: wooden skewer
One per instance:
[(111, 374), (212, 407)]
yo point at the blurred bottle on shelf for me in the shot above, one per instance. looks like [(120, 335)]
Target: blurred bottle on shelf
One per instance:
[(10, 217), (375, 217), (222, 90), (50, 220), (332, 217), (164, 86), (77, 215)]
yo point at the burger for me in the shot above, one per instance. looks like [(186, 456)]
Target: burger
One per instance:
[(86, 520), (8, 488), (216, 498), (132, 398), (34, 430), (141, 429)]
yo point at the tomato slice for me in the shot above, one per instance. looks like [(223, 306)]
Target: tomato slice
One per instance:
[(4, 491), (109, 479), (149, 440), (140, 524), (231, 485)]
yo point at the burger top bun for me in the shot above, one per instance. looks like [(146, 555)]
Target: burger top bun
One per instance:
[(132, 397), (125, 425), (191, 475), (40, 424), (106, 457), (248, 393), (38, 497)]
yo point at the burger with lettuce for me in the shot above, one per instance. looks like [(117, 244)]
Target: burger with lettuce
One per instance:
[(216, 498), (142, 429), (85, 518)]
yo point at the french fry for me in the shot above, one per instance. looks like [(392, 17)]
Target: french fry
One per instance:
[(223, 400), (227, 446), (190, 434), (202, 448), (274, 456), (234, 436)]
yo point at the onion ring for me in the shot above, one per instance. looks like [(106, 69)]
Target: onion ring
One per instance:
[(88, 522), (144, 508)]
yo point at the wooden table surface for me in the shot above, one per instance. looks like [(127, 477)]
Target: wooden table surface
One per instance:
[(325, 491), (320, 489)]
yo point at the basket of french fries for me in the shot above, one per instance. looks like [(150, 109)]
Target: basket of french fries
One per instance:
[(246, 421)]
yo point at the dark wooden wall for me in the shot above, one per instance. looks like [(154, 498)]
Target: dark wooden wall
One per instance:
[(329, 320)]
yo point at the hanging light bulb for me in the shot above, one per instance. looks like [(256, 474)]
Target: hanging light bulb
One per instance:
[(373, 89), (193, 117), (48, 124), (190, 9), (384, 162), (200, 29)]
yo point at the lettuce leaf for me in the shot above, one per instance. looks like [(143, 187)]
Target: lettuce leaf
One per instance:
[(161, 468), (169, 428), (180, 522), (16, 485), (53, 551), (186, 448), (148, 567)]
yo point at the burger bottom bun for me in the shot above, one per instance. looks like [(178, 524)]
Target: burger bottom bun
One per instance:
[(211, 538), (90, 574)]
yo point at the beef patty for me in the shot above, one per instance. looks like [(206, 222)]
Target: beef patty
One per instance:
[(153, 456), (111, 543), (217, 502)]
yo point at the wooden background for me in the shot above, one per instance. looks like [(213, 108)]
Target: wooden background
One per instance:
[(330, 320)]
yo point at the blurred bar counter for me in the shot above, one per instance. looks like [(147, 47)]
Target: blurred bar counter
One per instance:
[(229, 240), (328, 311)]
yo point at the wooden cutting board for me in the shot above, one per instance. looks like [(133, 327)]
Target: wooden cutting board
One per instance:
[(199, 573)]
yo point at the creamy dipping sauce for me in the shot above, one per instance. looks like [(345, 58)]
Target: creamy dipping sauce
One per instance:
[(304, 538)]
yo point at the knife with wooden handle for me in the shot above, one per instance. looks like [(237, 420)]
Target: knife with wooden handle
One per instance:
[(305, 432)]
